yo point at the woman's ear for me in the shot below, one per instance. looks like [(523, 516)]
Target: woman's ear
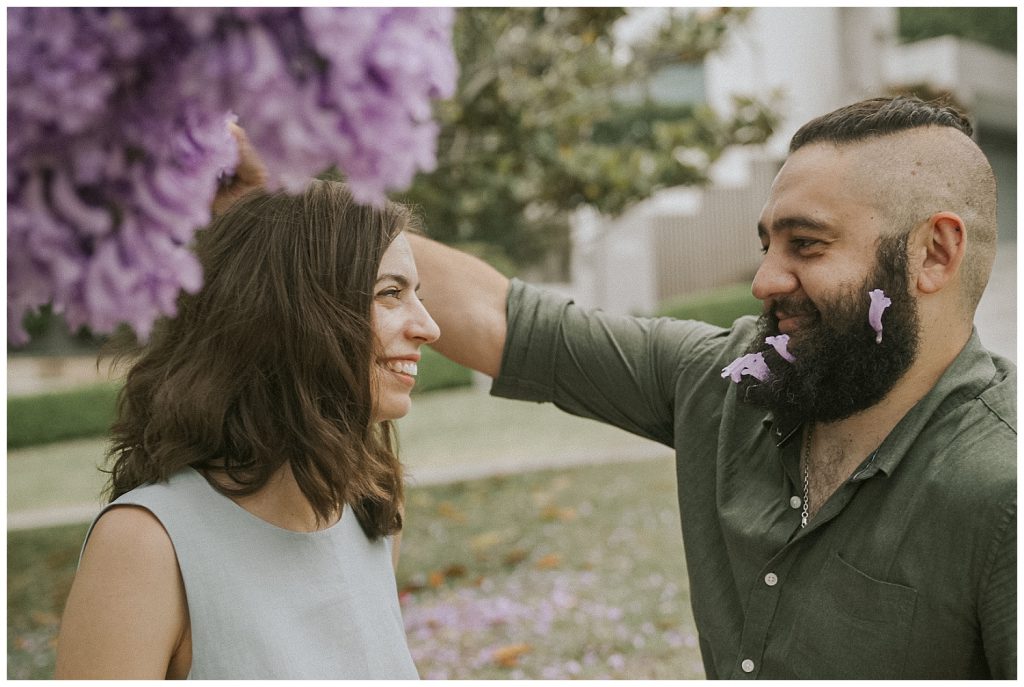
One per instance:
[(942, 243)]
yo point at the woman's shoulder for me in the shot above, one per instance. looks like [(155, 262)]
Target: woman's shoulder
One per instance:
[(147, 517), (130, 542), (126, 612), (179, 493), (127, 525)]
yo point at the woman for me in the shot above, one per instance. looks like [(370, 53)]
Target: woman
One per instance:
[(257, 497)]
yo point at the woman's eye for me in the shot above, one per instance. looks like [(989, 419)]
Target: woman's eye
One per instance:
[(391, 293)]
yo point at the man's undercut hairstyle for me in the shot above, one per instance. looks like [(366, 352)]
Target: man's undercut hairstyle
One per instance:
[(919, 159), (878, 117)]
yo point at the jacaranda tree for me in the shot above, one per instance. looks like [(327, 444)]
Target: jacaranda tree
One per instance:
[(117, 134)]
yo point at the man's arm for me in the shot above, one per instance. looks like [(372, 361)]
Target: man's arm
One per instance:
[(466, 297)]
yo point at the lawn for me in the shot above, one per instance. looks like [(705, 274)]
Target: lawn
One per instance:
[(546, 575)]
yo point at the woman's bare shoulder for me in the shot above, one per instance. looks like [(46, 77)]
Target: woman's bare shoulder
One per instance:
[(126, 613), (130, 529)]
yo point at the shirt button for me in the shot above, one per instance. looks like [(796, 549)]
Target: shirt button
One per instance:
[(771, 579), (747, 665), (795, 502)]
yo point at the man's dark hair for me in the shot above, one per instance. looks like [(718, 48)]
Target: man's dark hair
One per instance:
[(878, 117)]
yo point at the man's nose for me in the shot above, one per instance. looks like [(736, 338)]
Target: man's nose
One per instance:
[(774, 278)]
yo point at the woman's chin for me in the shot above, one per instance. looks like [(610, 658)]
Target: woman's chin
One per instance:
[(392, 410)]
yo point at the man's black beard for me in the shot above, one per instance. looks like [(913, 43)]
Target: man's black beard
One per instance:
[(839, 370)]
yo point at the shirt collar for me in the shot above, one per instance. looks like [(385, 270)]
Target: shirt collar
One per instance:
[(970, 373)]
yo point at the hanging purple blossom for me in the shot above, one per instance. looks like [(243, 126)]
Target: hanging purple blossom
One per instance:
[(780, 343), (879, 303), (117, 134), (752, 364)]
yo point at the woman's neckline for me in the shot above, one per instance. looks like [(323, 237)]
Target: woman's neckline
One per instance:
[(262, 521)]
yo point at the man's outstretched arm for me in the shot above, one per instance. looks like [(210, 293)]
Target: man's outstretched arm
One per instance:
[(466, 297)]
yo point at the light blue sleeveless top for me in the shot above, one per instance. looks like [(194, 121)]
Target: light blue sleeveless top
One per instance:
[(269, 603)]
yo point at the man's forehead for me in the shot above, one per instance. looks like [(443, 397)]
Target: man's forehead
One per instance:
[(813, 184)]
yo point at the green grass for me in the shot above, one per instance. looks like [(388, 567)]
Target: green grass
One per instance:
[(719, 306), (58, 416), (437, 372), (40, 567), (556, 574)]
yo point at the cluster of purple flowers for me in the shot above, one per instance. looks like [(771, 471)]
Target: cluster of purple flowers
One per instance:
[(117, 134)]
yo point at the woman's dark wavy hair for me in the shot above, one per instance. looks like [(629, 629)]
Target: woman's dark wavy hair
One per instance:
[(270, 362)]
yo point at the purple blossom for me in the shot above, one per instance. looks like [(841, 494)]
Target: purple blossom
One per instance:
[(780, 343), (752, 364), (117, 134), (879, 302)]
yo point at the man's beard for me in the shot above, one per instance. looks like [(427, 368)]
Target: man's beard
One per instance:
[(839, 369)]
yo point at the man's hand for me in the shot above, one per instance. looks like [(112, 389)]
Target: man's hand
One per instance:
[(250, 173)]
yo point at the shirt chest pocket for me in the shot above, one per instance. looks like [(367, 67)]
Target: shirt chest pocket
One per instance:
[(851, 626)]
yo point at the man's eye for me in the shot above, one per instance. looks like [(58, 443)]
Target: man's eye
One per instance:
[(800, 244)]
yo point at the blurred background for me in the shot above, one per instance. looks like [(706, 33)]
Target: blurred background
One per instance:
[(618, 155)]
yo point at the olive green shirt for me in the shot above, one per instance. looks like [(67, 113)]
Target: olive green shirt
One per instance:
[(907, 571)]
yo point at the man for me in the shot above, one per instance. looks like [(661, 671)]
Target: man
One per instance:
[(846, 464)]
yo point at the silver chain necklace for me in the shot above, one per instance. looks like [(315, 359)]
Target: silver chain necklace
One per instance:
[(807, 478)]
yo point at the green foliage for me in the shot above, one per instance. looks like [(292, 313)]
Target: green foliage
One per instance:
[(994, 26), (46, 418), (719, 307), (547, 118)]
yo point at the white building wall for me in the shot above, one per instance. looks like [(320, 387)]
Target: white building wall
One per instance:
[(817, 58)]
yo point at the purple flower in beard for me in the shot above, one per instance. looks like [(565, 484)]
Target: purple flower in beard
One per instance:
[(752, 364), (879, 303), (780, 343)]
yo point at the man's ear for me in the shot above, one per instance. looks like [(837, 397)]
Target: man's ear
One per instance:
[(942, 242)]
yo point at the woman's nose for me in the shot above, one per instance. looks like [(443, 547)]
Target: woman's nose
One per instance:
[(422, 326)]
